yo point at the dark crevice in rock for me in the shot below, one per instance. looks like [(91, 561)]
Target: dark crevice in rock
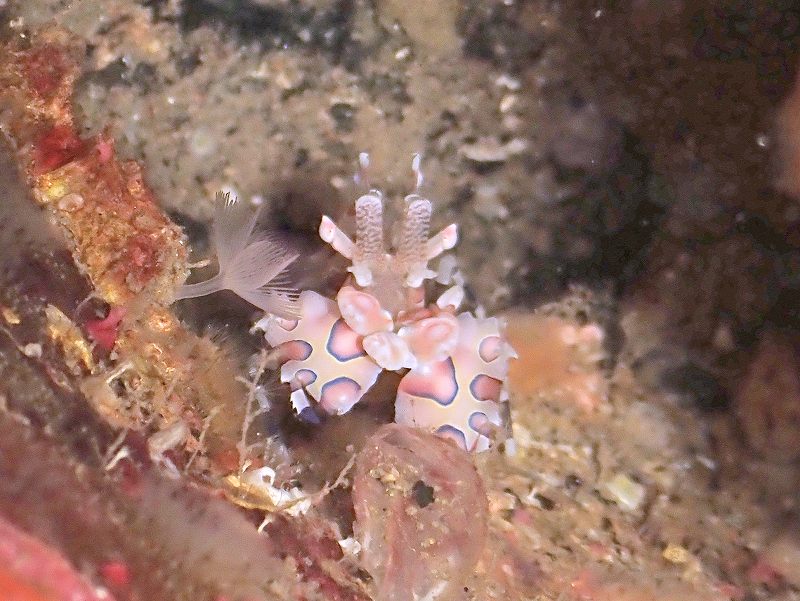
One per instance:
[(328, 31)]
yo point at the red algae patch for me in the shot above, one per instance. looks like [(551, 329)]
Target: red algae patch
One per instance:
[(32, 571)]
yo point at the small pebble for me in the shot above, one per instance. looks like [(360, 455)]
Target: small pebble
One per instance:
[(202, 143), (350, 546), (490, 150), (33, 350), (676, 554), (70, 202), (626, 493)]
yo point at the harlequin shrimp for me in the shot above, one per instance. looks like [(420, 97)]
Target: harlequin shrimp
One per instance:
[(454, 365)]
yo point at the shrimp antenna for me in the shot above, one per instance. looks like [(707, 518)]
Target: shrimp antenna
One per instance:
[(416, 162), (361, 176)]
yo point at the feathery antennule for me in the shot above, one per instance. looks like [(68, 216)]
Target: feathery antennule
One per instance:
[(415, 249), (369, 220), (369, 250), (411, 251), (252, 266)]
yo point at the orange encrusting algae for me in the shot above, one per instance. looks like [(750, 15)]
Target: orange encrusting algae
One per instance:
[(119, 236), (557, 360)]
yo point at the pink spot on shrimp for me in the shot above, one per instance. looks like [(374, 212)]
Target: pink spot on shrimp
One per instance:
[(480, 423), (485, 388), (297, 350), (306, 377), (454, 434), (436, 382), (339, 395), (344, 344), (490, 348)]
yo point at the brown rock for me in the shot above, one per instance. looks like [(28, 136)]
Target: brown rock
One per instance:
[(768, 399)]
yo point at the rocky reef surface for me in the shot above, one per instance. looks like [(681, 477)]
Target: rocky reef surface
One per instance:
[(623, 178)]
